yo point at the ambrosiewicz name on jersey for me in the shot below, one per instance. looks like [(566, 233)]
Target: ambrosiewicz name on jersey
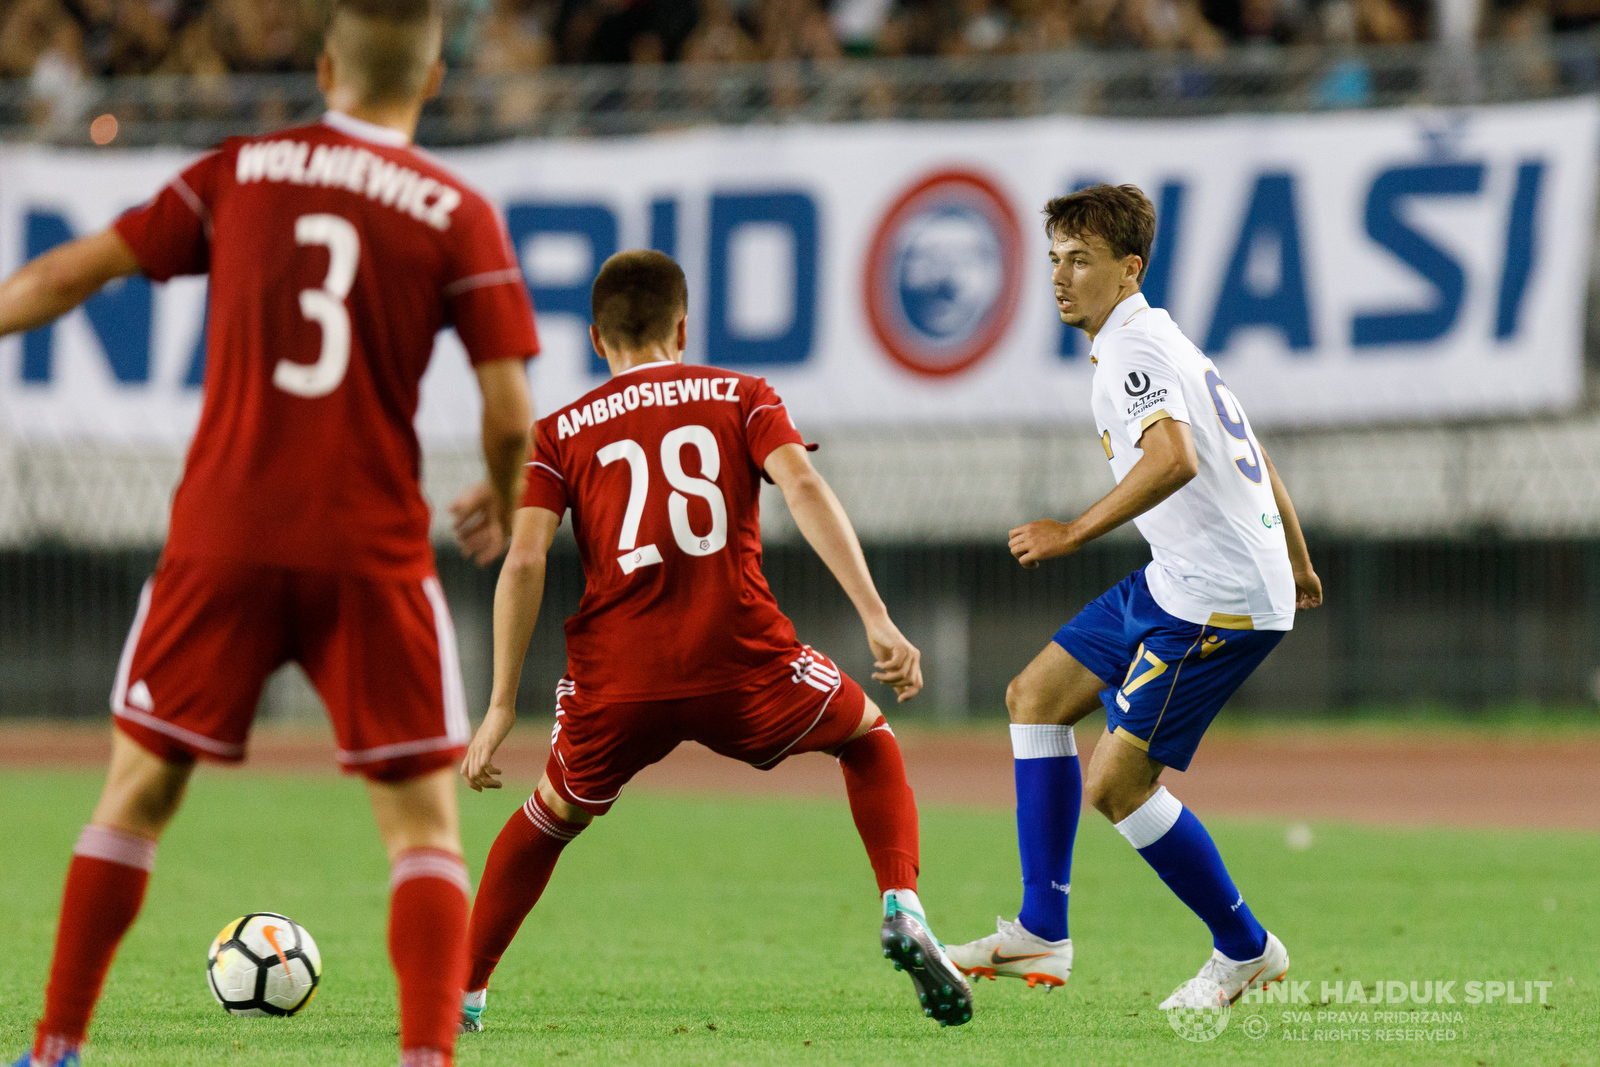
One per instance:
[(1218, 552)]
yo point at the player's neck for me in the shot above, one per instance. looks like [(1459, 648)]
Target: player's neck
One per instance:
[(623, 362), (399, 117), (1123, 292)]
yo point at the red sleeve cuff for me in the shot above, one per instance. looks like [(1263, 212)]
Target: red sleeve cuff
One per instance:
[(545, 489)]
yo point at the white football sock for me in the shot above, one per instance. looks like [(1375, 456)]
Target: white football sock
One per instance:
[(1042, 741), (1152, 820)]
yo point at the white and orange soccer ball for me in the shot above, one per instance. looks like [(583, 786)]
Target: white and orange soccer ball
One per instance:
[(263, 964)]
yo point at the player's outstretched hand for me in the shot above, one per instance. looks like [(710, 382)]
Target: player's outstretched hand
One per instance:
[(1045, 539), (1307, 590), (898, 661), (478, 526), (476, 768)]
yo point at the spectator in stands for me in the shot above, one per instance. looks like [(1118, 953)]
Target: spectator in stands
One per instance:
[(982, 28), (1387, 22), (794, 29), (1525, 26), (514, 39), (1278, 22), (268, 36), (718, 37), (1163, 25), (193, 51), (138, 41), (1347, 82), (56, 86), (858, 24), (916, 28), (1044, 25), (29, 30)]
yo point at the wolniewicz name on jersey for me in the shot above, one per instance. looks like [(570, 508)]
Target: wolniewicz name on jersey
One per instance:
[(661, 468), (350, 167), (1218, 551)]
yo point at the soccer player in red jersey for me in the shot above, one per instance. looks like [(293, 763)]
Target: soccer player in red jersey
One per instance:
[(677, 637), (336, 252)]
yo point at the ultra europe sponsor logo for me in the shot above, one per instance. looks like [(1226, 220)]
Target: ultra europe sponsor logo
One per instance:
[(944, 273)]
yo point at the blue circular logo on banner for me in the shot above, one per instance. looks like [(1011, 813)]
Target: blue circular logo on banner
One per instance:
[(943, 274)]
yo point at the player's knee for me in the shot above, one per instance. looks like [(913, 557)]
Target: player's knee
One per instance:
[(1025, 702), (417, 812), (142, 792), (870, 718), (1117, 796), (560, 807), (1099, 791)]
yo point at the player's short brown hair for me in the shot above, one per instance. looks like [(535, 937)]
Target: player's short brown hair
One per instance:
[(1120, 215), (386, 47), (637, 298)]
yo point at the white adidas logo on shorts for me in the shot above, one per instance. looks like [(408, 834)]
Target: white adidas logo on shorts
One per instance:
[(808, 668)]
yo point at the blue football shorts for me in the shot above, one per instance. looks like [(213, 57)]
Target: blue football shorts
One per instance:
[(1166, 678)]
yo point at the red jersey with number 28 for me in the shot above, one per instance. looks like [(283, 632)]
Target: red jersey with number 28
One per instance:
[(661, 467), (336, 253)]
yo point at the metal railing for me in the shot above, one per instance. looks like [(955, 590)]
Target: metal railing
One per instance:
[(619, 100), (1463, 624)]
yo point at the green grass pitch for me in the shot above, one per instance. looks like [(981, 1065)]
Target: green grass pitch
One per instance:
[(720, 930)]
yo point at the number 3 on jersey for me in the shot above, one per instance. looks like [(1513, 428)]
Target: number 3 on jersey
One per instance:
[(634, 555), (325, 307)]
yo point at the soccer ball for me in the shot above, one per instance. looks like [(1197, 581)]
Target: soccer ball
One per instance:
[(263, 964)]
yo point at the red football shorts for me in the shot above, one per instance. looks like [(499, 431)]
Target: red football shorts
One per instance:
[(380, 651), (597, 748)]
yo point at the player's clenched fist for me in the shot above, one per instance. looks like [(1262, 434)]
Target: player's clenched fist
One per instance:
[(898, 661), (1045, 539), (477, 521)]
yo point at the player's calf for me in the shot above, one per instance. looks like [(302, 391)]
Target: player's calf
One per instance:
[(519, 867)]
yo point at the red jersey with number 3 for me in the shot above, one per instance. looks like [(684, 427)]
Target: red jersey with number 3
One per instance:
[(661, 467), (336, 252)]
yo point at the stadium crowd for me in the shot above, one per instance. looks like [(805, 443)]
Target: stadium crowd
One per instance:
[(55, 39)]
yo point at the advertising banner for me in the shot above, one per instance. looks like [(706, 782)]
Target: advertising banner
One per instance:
[(1340, 268)]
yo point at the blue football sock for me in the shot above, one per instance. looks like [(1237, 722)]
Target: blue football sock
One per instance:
[(1049, 794), (1174, 842)]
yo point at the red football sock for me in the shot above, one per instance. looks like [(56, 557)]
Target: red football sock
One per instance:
[(105, 886), (883, 806), (519, 868), (428, 946)]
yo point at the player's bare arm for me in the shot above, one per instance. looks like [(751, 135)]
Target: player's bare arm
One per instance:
[(61, 279), (1307, 586), (826, 528), (1168, 464), (517, 597), (481, 516)]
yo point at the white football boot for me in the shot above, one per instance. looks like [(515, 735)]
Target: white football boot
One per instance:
[(1013, 952), (472, 1005), (1232, 977)]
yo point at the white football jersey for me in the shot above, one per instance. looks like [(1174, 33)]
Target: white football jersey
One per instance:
[(1219, 557)]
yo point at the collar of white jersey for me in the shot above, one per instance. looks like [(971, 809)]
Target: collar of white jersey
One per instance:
[(363, 130), (646, 366), (1120, 316)]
